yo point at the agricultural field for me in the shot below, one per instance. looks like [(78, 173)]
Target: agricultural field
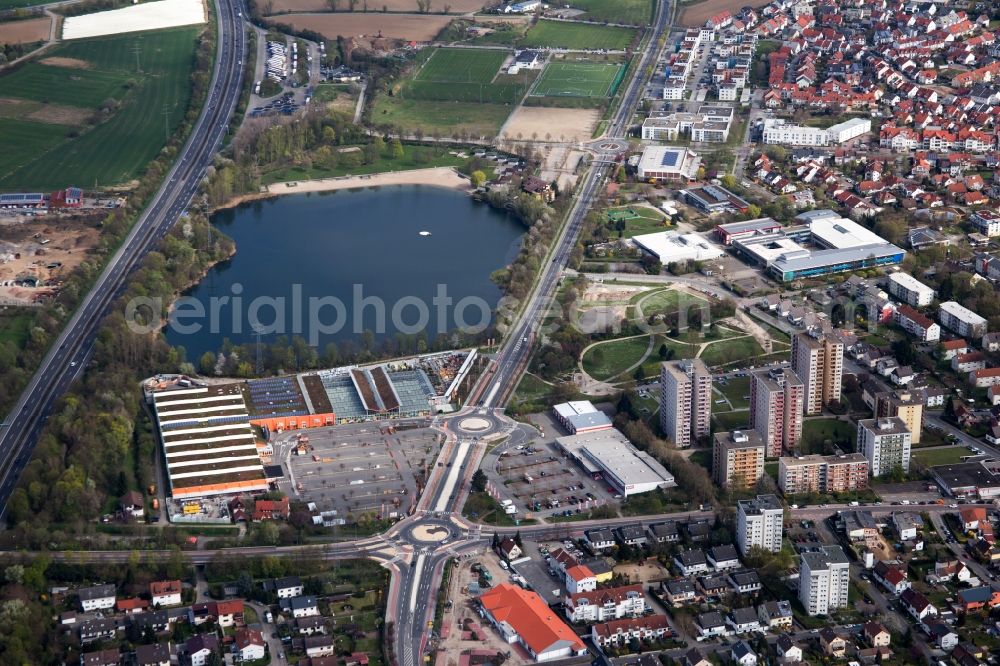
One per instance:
[(466, 75), (633, 12), (578, 79), (72, 84), (577, 36), (26, 31), (696, 14), (406, 6), (434, 117), (422, 28)]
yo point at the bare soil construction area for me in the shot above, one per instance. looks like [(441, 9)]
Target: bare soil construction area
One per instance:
[(69, 63), (42, 251), (454, 6), (697, 14), (23, 32), (409, 27), (540, 123)]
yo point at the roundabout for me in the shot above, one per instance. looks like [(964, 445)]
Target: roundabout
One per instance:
[(428, 533), (475, 424)]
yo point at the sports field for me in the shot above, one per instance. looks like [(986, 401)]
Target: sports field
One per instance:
[(577, 79), (462, 65), (151, 102), (466, 75), (577, 36)]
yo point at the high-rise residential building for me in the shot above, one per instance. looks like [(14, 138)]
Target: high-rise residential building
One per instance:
[(907, 406), (759, 522), (824, 579), (776, 405), (737, 459), (823, 474), (818, 359), (886, 443), (685, 400)]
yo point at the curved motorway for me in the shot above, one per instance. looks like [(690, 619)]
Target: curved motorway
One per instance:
[(69, 354)]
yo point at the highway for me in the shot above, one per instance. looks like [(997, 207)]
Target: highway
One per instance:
[(513, 355), (71, 351)]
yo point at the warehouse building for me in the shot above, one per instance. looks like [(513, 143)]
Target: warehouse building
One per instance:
[(209, 446), (580, 416), (671, 246), (608, 453), (521, 616)]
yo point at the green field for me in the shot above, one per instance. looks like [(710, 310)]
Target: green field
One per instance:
[(736, 390), (732, 350), (23, 139), (581, 36), (432, 117), (950, 455), (462, 65), (635, 12), (577, 79), (608, 359), (152, 104), (466, 75), (820, 435)]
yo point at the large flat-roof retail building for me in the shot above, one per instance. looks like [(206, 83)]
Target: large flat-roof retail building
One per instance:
[(664, 163), (669, 247), (824, 243), (610, 454), (209, 446), (580, 416), (969, 479)]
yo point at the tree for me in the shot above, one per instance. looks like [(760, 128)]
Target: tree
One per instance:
[(206, 364), (396, 149), (479, 481), (663, 351), (478, 178)]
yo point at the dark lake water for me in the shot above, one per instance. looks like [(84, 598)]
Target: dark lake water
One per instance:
[(361, 252)]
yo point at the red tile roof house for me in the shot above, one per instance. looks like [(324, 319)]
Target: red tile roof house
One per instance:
[(892, 577), (271, 510), (165, 592), (972, 516)]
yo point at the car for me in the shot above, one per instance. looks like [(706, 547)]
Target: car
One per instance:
[(72, 364)]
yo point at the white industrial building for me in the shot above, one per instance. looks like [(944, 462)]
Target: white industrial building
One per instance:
[(910, 290), (671, 246), (824, 579), (609, 453), (580, 416)]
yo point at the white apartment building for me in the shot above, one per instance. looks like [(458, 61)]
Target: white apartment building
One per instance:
[(886, 443), (962, 320), (611, 603), (987, 222), (685, 400), (849, 129), (759, 522), (818, 360), (824, 579), (910, 290), (777, 131)]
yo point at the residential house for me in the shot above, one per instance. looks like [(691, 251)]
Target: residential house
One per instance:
[(916, 604), (745, 581), (711, 624), (891, 576), (723, 557), (876, 634), (605, 604), (165, 593), (198, 649), (632, 535), (743, 655), (132, 504), (714, 585), (97, 597), (942, 635), (508, 549), (249, 644), (972, 517), (694, 657), (831, 643), (621, 632), (975, 598), (788, 652), (110, 657), (271, 509), (679, 591), (744, 620), (97, 630), (666, 532), (157, 654), (600, 539), (690, 562), (775, 615), (580, 579), (304, 606), (285, 588)]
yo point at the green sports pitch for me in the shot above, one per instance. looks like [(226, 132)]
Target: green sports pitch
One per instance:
[(578, 79), (462, 66)]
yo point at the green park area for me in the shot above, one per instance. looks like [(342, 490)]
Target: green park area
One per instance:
[(820, 435), (439, 118), (352, 160), (609, 359), (577, 36), (99, 116), (944, 455)]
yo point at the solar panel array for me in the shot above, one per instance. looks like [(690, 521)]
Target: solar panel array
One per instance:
[(670, 158), (276, 396)]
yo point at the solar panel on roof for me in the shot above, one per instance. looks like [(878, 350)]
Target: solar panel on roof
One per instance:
[(670, 158)]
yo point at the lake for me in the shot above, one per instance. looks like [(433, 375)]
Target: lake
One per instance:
[(328, 266)]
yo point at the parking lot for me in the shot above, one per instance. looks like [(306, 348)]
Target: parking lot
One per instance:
[(358, 468), (541, 479)]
